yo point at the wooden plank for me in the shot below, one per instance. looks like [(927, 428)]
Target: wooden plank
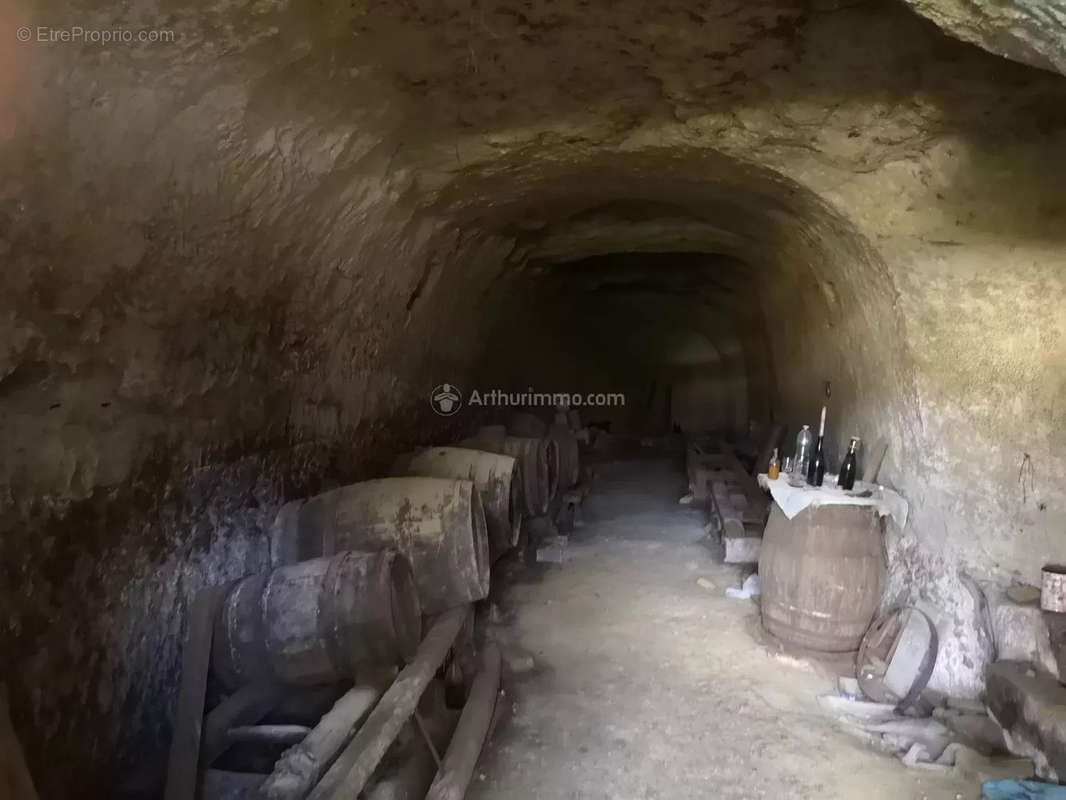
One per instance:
[(873, 463), (246, 706), (301, 766), (455, 772), (351, 771), (15, 780), (182, 768)]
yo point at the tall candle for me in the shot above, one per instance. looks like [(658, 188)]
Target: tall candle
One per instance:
[(821, 425)]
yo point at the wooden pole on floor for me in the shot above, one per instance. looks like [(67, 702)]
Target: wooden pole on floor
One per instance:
[(455, 771), (15, 780), (182, 769), (300, 767), (350, 772)]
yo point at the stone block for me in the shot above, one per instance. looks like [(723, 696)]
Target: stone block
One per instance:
[(1030, 706), (1020, 631), (742, 543)]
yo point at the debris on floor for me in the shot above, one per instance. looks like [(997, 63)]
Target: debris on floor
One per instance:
[(748, 590), (703, 583), (554, 551), (518, 662), (1022, 790), (849, 688), (955, 738)]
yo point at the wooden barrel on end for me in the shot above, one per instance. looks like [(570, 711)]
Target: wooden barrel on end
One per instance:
[(822, 573)]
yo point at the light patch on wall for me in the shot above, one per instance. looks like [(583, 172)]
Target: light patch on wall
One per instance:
[(832, 301)]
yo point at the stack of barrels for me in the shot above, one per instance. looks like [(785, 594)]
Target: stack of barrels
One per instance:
[(355, 569), (358, 575)]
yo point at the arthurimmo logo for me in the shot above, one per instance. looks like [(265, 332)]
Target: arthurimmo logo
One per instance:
[(446, 399)]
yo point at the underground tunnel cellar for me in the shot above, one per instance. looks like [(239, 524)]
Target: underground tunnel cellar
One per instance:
[(244, 244)]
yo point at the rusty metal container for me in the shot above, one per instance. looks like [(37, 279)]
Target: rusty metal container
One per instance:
[(318, 621), (822, 573), (1053, 588), (498, 479), (438, 523)]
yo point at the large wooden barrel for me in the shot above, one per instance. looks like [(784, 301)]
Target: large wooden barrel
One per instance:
[(538, 460), (523, 423), (318, 621), (498, 479), (822, 573), (532, 457), (569, 454), (438, 523)]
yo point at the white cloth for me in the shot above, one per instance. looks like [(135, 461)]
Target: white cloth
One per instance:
[(793, 499)]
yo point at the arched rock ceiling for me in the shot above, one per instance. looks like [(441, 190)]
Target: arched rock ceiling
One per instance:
[(1030, 31)]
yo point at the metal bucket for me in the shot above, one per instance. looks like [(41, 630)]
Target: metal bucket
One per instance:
[(1053, 588)]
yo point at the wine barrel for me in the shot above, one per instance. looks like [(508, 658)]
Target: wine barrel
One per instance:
[(538, 463), (492, 434), (523, 423), (822, 573), (318, 621), (569, 454), (497, 478), (438, 523), (532, 457)]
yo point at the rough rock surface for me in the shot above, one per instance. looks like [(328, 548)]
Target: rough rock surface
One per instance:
[(236, 261), (1027, 31), (1028, 705)]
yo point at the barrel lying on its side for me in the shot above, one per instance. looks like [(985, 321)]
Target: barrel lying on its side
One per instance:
[(496, 476), (438, 523), (569, 455), (539, 460), (523, 423), (318, 621)]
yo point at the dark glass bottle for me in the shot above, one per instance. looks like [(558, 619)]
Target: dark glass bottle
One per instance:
[(846, 479), (816, 467), (816, 470)]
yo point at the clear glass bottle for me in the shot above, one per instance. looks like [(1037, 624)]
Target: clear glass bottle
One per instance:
[(804, 442)]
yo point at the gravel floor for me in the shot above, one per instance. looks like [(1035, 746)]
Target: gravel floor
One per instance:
[(646, 684)]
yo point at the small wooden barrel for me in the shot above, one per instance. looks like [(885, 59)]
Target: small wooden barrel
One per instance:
[(539, 464), (318, 621), (497, 477), (523, 423), (569, 455), (822, 573), (438, 523)]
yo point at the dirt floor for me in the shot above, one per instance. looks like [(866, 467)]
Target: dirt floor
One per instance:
[(645, 684)]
